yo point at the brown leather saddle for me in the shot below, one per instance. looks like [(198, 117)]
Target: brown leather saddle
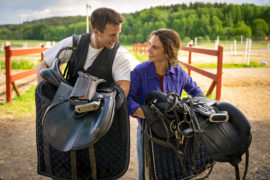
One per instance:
[(78, 116)]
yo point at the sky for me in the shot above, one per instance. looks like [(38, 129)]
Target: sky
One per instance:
[(19, 11)]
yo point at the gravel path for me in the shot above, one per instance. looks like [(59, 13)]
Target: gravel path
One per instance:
[(248, 89)]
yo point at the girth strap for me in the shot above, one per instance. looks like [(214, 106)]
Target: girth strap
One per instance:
[(47, 156), (73, 164), (93, 162), (237, 174)]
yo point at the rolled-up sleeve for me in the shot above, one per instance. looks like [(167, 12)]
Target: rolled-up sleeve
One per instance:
[(135, 92), (50, 54), (121, 65)]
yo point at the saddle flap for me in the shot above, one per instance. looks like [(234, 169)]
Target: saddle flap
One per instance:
[(97, 123), (227, 141), (63, 132)]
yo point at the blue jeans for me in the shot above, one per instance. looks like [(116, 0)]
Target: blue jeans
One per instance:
[(139, 146)]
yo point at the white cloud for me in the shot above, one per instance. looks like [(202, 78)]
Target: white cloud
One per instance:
[(36, 9)]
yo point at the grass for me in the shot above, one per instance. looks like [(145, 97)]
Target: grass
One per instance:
[(139, 56), (21, 105), (252, 64), (185, 94), (20, 64)]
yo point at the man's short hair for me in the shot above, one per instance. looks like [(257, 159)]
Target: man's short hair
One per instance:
[(102, 16)]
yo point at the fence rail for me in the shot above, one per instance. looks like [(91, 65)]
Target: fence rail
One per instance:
[(11, 78), (217, 78)]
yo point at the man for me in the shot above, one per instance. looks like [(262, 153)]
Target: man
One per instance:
[(99, 53)]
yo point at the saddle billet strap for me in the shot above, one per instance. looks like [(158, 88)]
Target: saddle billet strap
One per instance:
[(147, 169), (246, 165), (73, 165), (236, 167), (93, 162)]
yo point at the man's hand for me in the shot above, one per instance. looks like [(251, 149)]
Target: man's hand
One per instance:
[(125, 85), (41, 66)]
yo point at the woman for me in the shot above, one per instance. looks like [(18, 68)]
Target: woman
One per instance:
[(159, 73)]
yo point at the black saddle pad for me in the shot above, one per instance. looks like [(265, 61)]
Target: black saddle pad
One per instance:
[(166, 165), (111, 151)]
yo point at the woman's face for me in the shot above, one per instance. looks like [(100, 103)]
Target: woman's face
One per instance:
[(155, 50)]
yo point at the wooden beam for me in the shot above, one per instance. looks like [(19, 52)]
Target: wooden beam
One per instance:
[(201, 51), (23, 74), (200, 71)]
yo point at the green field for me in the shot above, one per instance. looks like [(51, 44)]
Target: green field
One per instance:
[(259, 52)]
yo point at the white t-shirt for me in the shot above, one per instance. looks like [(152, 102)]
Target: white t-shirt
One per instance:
[(121, 64)]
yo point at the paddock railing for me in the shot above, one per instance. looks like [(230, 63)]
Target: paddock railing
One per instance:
[(11, 78), (216, 77)]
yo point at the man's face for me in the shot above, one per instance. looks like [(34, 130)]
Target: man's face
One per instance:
[(109, 36)]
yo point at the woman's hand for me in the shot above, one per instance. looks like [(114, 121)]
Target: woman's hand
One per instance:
[(139, 113)]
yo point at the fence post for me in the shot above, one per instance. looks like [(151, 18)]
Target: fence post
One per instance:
[(42, 56), (249, 49), (8, 73), (219, 72), (133, 47), (145, 44), (268, 48), (235, 47), (246, 50), (189, 59), (136, 47)]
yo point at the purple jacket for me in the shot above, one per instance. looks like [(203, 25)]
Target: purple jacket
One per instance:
[(144, 80)]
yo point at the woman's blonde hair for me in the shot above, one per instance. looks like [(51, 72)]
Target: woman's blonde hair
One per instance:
[(171, 43)]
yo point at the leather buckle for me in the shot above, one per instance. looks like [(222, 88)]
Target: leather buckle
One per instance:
[(92, 106)]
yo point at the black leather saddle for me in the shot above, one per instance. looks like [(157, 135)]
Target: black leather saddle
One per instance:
[(65, 131), (221, 128), (64, 127), (82, 131)]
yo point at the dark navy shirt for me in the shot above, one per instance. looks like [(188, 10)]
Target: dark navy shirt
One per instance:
[(144, 80)]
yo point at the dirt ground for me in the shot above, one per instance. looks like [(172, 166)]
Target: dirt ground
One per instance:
[(246, 88)]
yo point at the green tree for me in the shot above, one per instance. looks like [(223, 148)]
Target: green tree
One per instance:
[(259, 28), (28, 32), (217, 28), (39, 31), (147, 29), (5, 33), (241, 29), (159, 25)]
